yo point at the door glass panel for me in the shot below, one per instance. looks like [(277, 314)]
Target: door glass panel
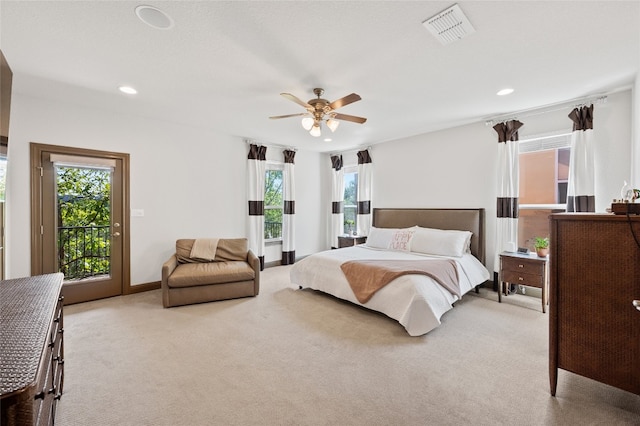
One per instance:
[(83, 211)]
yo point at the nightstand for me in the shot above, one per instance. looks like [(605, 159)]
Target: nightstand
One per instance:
[(527, 270), (351, 241)]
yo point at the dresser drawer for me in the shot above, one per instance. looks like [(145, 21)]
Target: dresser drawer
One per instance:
[(516, 277)]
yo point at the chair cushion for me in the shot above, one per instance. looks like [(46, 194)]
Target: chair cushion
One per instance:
[(193, 274), (233, 249)]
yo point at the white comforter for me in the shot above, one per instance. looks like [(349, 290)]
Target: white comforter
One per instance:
[(415, 301)]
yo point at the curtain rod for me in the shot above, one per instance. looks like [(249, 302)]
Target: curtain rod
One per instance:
[(576, 103), (290, 148), (359, 148)]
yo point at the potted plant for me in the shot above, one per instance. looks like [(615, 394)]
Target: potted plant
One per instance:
[(350, 223), (542, 246)]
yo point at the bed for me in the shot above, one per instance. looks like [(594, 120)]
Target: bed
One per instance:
[(416, 301)]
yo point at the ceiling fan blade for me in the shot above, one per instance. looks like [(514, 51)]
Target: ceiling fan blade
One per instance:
[(296, 100), (352, 118), (349, 99), (288, 115)]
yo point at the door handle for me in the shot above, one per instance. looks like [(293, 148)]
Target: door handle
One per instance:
[(636, 303), (116, 234)]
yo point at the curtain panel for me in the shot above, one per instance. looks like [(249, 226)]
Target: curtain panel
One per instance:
[(337, 199), (289, 210), (365, 175), (508, 187), (581, 182), (256, 165)]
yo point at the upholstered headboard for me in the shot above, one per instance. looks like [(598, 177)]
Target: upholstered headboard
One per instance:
[(461, 219)]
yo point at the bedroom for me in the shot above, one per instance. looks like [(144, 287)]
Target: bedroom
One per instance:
[(462, 155)]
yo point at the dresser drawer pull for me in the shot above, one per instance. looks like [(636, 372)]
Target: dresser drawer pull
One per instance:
[(52, 390), (61, 331), (636, 303), (58, 396), (520, 279), (520, 265), (39, 395), (60, 299)]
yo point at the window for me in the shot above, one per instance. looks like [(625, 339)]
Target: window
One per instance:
[(544, 170), (350, 200), (273, 203)]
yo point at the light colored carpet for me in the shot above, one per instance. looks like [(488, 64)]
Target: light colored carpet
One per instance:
[(299, 357)]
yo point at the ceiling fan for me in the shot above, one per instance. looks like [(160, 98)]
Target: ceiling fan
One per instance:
[(319, 110)]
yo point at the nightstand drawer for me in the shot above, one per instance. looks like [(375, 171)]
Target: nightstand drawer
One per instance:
[(516, 277), (522, 266), (351, 241)]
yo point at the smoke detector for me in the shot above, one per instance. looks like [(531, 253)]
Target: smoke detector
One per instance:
[(449, 25)]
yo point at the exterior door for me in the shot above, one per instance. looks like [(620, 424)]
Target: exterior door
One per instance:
[(83, 231)]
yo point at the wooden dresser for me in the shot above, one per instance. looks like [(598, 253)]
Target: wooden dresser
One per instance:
[(31, 349), (594, 328)]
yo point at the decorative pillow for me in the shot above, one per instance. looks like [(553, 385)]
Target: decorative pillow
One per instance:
[(380, 237), (401, 240), (441, 242), (229, 249)]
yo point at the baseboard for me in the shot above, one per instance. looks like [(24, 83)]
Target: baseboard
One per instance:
[(279, 262), (144, 287)]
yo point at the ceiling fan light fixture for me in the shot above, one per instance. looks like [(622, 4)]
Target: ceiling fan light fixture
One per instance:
[(320, 110), (315, 130), (307, 123), (333, 124)]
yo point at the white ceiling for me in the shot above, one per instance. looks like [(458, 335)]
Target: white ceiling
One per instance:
[(224, 63)]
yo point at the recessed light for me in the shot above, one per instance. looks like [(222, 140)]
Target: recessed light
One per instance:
[(128, 90), (154, 17), (504, 92)]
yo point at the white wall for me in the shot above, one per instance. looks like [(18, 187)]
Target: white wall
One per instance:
[(190, 182), (457, 167)]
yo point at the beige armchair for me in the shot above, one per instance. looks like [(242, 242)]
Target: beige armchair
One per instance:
[(233, 273)]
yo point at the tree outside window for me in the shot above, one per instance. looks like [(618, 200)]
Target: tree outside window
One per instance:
[(350, 202), (84, 221), (273, 205)]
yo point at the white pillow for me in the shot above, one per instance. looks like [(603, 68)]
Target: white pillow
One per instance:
[(401, 239), (441, 242), (380, 237)]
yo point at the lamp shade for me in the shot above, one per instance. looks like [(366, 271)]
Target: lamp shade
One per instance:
[(307, 123), (333, 124), (315, 130)]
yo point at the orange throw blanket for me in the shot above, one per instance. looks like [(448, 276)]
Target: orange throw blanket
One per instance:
[(368, 276)]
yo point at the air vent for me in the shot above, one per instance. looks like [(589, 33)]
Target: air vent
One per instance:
[(449, 25)]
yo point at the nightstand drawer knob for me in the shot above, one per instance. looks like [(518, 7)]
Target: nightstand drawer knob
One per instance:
[(520, 279), (520, 266)]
